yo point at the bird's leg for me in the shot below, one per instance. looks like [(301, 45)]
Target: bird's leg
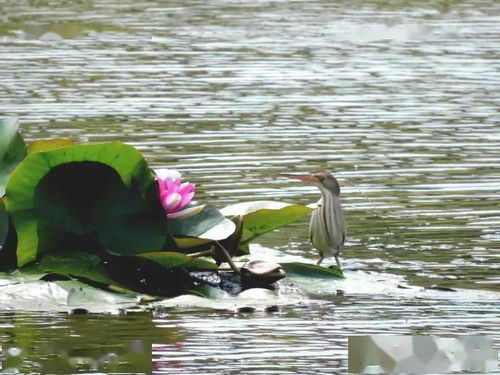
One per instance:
[(321, 257), (337, 260)]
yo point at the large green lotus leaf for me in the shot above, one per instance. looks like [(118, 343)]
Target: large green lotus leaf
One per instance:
[(294, 269), (208, 224), (4, 223), (264, 216), (102, 193), (49, 145), (8, 240), (173, 259), (157, 273), (12, 150), (77, 264), (131, 223)]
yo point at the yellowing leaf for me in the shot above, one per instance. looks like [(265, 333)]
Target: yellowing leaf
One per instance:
[(48, 145)]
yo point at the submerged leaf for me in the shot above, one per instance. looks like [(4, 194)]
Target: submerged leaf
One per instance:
[(12, 150), (311, 270), (264, 216)]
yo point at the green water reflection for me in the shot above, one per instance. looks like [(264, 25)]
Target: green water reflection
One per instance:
[(81, 343)]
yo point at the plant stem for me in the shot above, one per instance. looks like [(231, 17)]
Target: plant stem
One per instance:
[(200, 254), (228, 258)]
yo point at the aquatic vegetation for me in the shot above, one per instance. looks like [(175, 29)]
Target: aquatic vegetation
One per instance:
[(98, 213), (12, 151)]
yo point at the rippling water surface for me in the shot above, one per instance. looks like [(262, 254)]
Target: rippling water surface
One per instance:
[(398, 98)]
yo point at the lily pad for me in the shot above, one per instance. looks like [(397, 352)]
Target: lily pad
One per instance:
[(49, 145), (12, 150), (144, 275), (8, 241), (157, 273), (311, 270), (209, 224), (102, 193), (78, 264), (63, 296), (254, 299), (173, 259), (87, 297), (190, 242), (261, 217), (4, 224)]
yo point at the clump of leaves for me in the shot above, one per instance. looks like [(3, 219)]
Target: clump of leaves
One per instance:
[(12, 150), (93, 212)]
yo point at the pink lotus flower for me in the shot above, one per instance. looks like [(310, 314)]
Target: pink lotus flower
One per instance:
[(174, 195)]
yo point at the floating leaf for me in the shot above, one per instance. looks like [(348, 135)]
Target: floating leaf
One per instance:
[(150, 276), (200, 264), (63, 296), (104, 193), (157, 273), (336, 269), (190, 242), (49, 145), (208, 291), (185, 213), (12, 150), (172, 259), (264, 216), (92, 299), (131, 223), (4, 223), (254, 299), (208, 224), (8, 240), (78, 264), (312, 270)]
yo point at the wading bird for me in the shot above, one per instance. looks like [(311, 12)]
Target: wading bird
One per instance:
[(327, 229)]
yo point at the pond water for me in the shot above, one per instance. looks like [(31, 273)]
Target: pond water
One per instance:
[(399, 99)]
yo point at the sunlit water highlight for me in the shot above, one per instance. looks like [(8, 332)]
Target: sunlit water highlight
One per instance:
[(399, 99)]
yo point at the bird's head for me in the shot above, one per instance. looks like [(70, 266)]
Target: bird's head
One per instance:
[(323, 180)]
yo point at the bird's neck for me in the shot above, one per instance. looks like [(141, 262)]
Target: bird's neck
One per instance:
[(325, 193)]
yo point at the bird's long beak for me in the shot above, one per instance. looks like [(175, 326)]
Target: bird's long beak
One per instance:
[(301, 177)]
